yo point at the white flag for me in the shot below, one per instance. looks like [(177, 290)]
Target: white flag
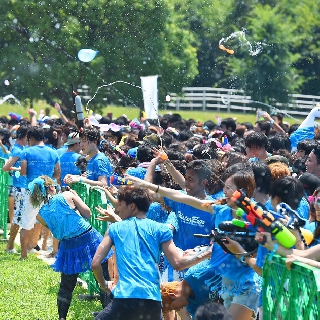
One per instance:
[(150, 96)]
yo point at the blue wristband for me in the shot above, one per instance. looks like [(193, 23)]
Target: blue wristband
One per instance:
[(80, 180), (275, 248), (243, 258)]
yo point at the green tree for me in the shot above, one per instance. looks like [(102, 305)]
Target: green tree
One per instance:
[(40, 40), (270, 75)]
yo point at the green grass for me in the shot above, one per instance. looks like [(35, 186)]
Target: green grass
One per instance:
[(133, 112), (28, 290)]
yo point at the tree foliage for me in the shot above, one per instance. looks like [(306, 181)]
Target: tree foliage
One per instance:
[(40, 41), (178, 40)]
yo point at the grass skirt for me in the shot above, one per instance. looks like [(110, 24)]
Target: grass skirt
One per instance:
[(75, 254)]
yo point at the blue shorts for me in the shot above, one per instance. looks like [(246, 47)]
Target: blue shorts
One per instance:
[(248, 298)]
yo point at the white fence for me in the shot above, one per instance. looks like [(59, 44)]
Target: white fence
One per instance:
[(220, 99)]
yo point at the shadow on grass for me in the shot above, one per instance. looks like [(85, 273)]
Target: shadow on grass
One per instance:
[(29, 290)]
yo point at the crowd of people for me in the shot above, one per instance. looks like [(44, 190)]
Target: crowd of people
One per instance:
[(166, 180)]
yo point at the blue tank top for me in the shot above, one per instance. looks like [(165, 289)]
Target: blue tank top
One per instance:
[(63, 221)]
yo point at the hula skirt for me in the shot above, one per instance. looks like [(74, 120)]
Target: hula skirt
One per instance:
[(75, 254)]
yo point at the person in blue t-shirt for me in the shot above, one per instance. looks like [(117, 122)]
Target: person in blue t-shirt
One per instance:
[(138, 242), (199, 286), (66, 216), (144, 156), (186, 219), (67, 164), (278, 193), (36, 160), (70, 156), (99, 168), (241, 286), (19, 185), (257, 144), (313, 223)]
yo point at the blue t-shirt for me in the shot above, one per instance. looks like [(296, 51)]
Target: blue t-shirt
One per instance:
[(98, 166), (62, 150), (20, 181), (204, 282), (303, 209), (63, 221), (157, 213), (187, 221), (219, 195), (137, 172), (67, 164), (311, 226), (236, 276), (2, 154), (138, 247), (41, 160)]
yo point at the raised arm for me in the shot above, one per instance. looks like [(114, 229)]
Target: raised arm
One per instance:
[(71, 178), (151, 169), (63, 118), (161, 158), (175, 174), (274, 125), (311, 253), (172, 194), (75, 201), (108, 193), (9, 163)]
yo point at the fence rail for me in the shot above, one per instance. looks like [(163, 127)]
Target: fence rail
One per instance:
[(92, 198), (293, 294), (3, 199), (221, 99)]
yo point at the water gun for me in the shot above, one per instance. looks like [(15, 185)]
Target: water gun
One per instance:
[(295, 222), (240, 231), (119, 181), (246, 239), (236, 225), (262, 220)]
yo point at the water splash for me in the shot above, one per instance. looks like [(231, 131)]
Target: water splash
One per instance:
[(253, 48), (273, 109)]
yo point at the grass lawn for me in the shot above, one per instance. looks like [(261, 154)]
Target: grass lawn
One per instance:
[(28, 290), (133, 112)]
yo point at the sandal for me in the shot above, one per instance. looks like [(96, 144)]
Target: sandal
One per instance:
[(51, 255)]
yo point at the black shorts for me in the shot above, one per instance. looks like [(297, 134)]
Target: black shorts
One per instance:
[(133, 309)]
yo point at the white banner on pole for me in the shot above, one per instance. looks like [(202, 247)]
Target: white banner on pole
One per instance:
[(149, 86)]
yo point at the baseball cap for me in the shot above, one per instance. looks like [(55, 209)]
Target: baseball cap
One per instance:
[(310, 182), (73, 138)]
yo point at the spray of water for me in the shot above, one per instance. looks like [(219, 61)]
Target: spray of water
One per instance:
[(135, 86), (273, 109), (253, 48)]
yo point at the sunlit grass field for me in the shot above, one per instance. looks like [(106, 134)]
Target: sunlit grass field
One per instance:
[(29, 291)]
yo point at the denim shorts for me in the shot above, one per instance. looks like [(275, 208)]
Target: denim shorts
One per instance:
[(248, 298)]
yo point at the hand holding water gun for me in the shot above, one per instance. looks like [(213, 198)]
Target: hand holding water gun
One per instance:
[(262, 220), (295, 222)]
